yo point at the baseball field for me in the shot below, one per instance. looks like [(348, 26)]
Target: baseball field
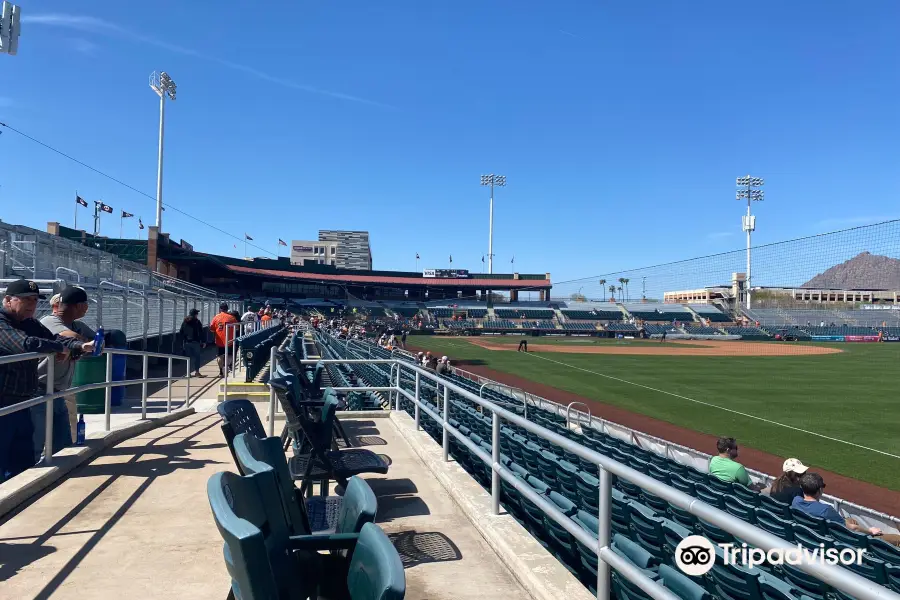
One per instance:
[(834, 406)]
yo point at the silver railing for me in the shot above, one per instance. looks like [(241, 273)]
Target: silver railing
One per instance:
[(837, 577), (233, 331), (50, 395)]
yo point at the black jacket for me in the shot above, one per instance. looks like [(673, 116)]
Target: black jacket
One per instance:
[(192, 330), (19, 380)]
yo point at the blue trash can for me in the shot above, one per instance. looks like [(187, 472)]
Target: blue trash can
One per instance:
[(118, 374), (115, 338)]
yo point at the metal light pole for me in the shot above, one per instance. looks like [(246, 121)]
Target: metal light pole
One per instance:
[(163, 85), (499, 181), (748, 188)]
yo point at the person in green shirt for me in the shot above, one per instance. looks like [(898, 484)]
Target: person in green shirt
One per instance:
[(725, 467)]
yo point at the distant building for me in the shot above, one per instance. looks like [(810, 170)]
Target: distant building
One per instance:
[(305, 253), (353, 250)]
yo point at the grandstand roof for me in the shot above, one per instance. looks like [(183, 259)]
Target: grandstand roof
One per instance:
[(499, 284)]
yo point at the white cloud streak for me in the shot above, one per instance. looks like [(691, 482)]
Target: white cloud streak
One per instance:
[(718, 235), (100, 26)]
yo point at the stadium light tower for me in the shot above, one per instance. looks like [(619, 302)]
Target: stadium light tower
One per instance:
[(499, 181), (163, 85), (748, 188)]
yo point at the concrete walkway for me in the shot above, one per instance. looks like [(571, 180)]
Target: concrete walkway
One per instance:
[(202, 389), (135, 523)]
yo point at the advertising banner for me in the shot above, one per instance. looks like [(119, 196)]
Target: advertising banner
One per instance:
[(828, 338), (446, 273), (891, 338), (860, 338), (303, 249)]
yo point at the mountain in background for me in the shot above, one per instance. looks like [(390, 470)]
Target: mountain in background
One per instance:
[(865, 271)]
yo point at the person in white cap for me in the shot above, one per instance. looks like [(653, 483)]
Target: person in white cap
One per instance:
[(443, 368), (787, 486)]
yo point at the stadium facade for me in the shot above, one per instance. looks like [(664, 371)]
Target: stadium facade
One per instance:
[(353, 250)]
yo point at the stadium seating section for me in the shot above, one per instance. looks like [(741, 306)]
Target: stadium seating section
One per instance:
[(499, 324), (594, 315), (622, 328), (700, 330), (544, 325), (523, 313), (653, 315), (646, 528), (714, 317), (655, 329), (579, 326), (460, 324), (406, 311), (748, 333), (441, 312), (476, 313)]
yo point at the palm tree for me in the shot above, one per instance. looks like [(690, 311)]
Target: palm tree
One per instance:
[(612, 293), (603, 285), (621, 298), (621, 281), (625, 280)]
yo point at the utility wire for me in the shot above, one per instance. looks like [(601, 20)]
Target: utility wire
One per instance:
[(130, 187)]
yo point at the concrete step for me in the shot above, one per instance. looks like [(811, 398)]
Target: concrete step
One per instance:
[(251, 396), (240, 386)]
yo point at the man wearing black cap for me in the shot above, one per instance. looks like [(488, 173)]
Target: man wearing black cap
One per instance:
[(193, 339), (72, 306), (21, 333)]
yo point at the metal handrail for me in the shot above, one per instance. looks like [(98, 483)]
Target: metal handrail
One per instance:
[(107, 385), (68, 270), (571, 404), (837, 577)]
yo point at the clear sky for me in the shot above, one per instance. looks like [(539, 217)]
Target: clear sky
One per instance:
[(620, 125)]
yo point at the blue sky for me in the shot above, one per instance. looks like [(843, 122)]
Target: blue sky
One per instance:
[(620, 126)]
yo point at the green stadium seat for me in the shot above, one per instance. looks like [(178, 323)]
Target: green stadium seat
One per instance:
[(588, 488), (812, 587), (642, 559), (740, 509), (781, 509), (673, 533), (264, 561), (809, 537), (871, 568), (745, 494), (773, 588), (774, 524), (886, 552), (588, 522), (719, 486), (733, 582), (681, 586), (646, 527), (893, 576), (714, 533), (842, 535), (816, 524), (562, 544), (658, 473), (312, 515), (709, 496)]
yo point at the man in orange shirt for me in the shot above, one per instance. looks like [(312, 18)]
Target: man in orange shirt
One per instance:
[(267, 316), (217, 326)]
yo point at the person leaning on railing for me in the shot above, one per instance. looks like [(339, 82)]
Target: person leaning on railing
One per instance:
[(20, 333), (68, 307)]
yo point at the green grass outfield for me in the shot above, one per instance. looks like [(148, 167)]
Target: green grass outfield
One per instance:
[(853, 396)]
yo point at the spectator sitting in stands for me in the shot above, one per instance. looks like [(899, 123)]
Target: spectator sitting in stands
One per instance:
[(813, 485), (787, 486), (725, 467), (443, 367), (432, 363)]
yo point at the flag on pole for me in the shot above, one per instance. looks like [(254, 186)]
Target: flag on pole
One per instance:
[(106, 208), (81, 201), (127, 215), (248, 237), (140, 223), (281, 242), (417, 256), (513, 260), (451, 259), (482, 258)]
